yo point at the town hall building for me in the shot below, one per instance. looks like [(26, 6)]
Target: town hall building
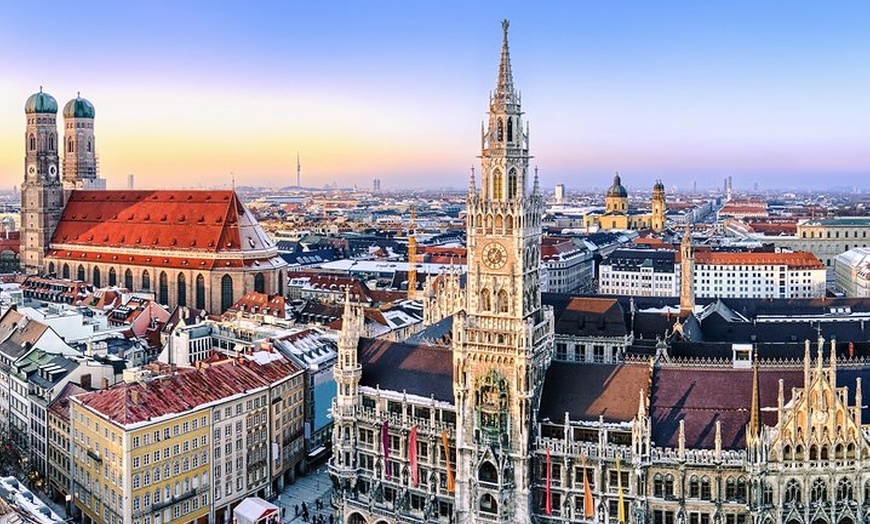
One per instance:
[(517, 407)]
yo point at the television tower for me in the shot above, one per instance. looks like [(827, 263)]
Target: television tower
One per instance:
[(298, 171)]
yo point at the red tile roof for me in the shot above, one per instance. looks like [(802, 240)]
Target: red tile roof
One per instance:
[(254, 303), (184, 390), (195, 221), (799, 260)]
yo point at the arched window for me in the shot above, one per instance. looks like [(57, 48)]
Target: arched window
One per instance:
[(819, 492), (488, 473), (200, 291), (503, 303), (65, 271), (510, 129), (844, 490), (499, 130), (497, 184), (694, 488), (659, 486), (113, 277), (792, 492), (80, 274), (281, 283), (259, 283), (51, 268), (669, 485), (181, 292), (163, 288), (226, 292), (512, 183), (485, 300), (69, 145), (89, 146), (96, 277), (51, 142), (146, 280), (706, 494), (488, 504), (32, 142), (128, 279)]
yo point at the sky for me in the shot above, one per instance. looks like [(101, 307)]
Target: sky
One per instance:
[(196, 94)]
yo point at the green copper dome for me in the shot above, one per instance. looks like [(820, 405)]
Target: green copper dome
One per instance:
[(78, 107), (617, 189), (40, 103)]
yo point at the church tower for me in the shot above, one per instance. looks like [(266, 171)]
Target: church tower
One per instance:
[(658, 207), (347, 373), (616, 199), (502, 341), (79, 146), (687, 273), (41, 192)]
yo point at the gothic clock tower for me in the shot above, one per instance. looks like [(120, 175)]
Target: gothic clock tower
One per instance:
[(41, 192), (503, 339)]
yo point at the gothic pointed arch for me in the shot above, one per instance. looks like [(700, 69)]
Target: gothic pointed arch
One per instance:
[(259, 283), (113, 277), (51, 268), (497, 184), (503, 301), (200, 291), (512, 183), (510, 129), (96, 277), (226, 292), (65, 271), (487, 472), (146, 280), (181, 290), (32, 142), (80, 273), (488, 504), (485, 300), (163, 288), (499, 133), (128, 279)]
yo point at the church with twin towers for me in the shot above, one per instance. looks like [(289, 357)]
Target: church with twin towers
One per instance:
[(195, 248)]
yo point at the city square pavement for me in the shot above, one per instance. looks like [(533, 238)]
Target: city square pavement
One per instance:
[(307, 489)]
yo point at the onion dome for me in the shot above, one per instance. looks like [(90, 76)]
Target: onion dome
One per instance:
[(617, 189), (40, 103), (78, 107), (659, 187)]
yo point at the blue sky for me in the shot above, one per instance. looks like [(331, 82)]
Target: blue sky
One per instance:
[(187, 92)]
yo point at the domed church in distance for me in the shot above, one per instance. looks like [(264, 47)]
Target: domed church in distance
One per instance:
[(618, 215)]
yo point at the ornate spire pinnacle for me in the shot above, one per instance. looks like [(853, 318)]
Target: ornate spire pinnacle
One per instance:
[(471, 184), (755, 408), (505, 85), (537, 186)]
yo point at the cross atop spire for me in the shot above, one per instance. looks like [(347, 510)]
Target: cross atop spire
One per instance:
[(505, 85)]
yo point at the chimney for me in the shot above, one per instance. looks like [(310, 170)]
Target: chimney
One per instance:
[(85, 381), (105, 383)]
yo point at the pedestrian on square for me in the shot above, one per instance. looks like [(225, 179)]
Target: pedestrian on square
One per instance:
[(295, 510)]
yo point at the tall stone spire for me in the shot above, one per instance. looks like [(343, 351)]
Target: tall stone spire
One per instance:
[(687, 274), (505, 85), (755, 408)]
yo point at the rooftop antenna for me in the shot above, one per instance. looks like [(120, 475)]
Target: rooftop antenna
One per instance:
[(233, 180)]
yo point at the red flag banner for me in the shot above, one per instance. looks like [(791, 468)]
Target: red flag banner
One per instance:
[(412, 455)]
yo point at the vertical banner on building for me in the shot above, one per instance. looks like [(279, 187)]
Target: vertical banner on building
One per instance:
[(621, 513), (588, 503), (446, 444), (412, 455), (385, 438), (548, 503)]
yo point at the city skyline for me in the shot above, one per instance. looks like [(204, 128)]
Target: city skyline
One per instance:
[(185, 96)]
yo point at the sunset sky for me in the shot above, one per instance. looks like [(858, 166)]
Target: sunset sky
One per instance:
[(187, 92)]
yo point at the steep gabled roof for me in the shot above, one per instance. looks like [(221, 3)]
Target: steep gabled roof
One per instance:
[(192, 221), (419, 369)]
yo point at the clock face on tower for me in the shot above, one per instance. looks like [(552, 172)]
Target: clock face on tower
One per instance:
[(494, 255), (52, 172)]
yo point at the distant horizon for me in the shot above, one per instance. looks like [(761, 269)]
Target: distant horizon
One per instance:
[(681, 92)]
